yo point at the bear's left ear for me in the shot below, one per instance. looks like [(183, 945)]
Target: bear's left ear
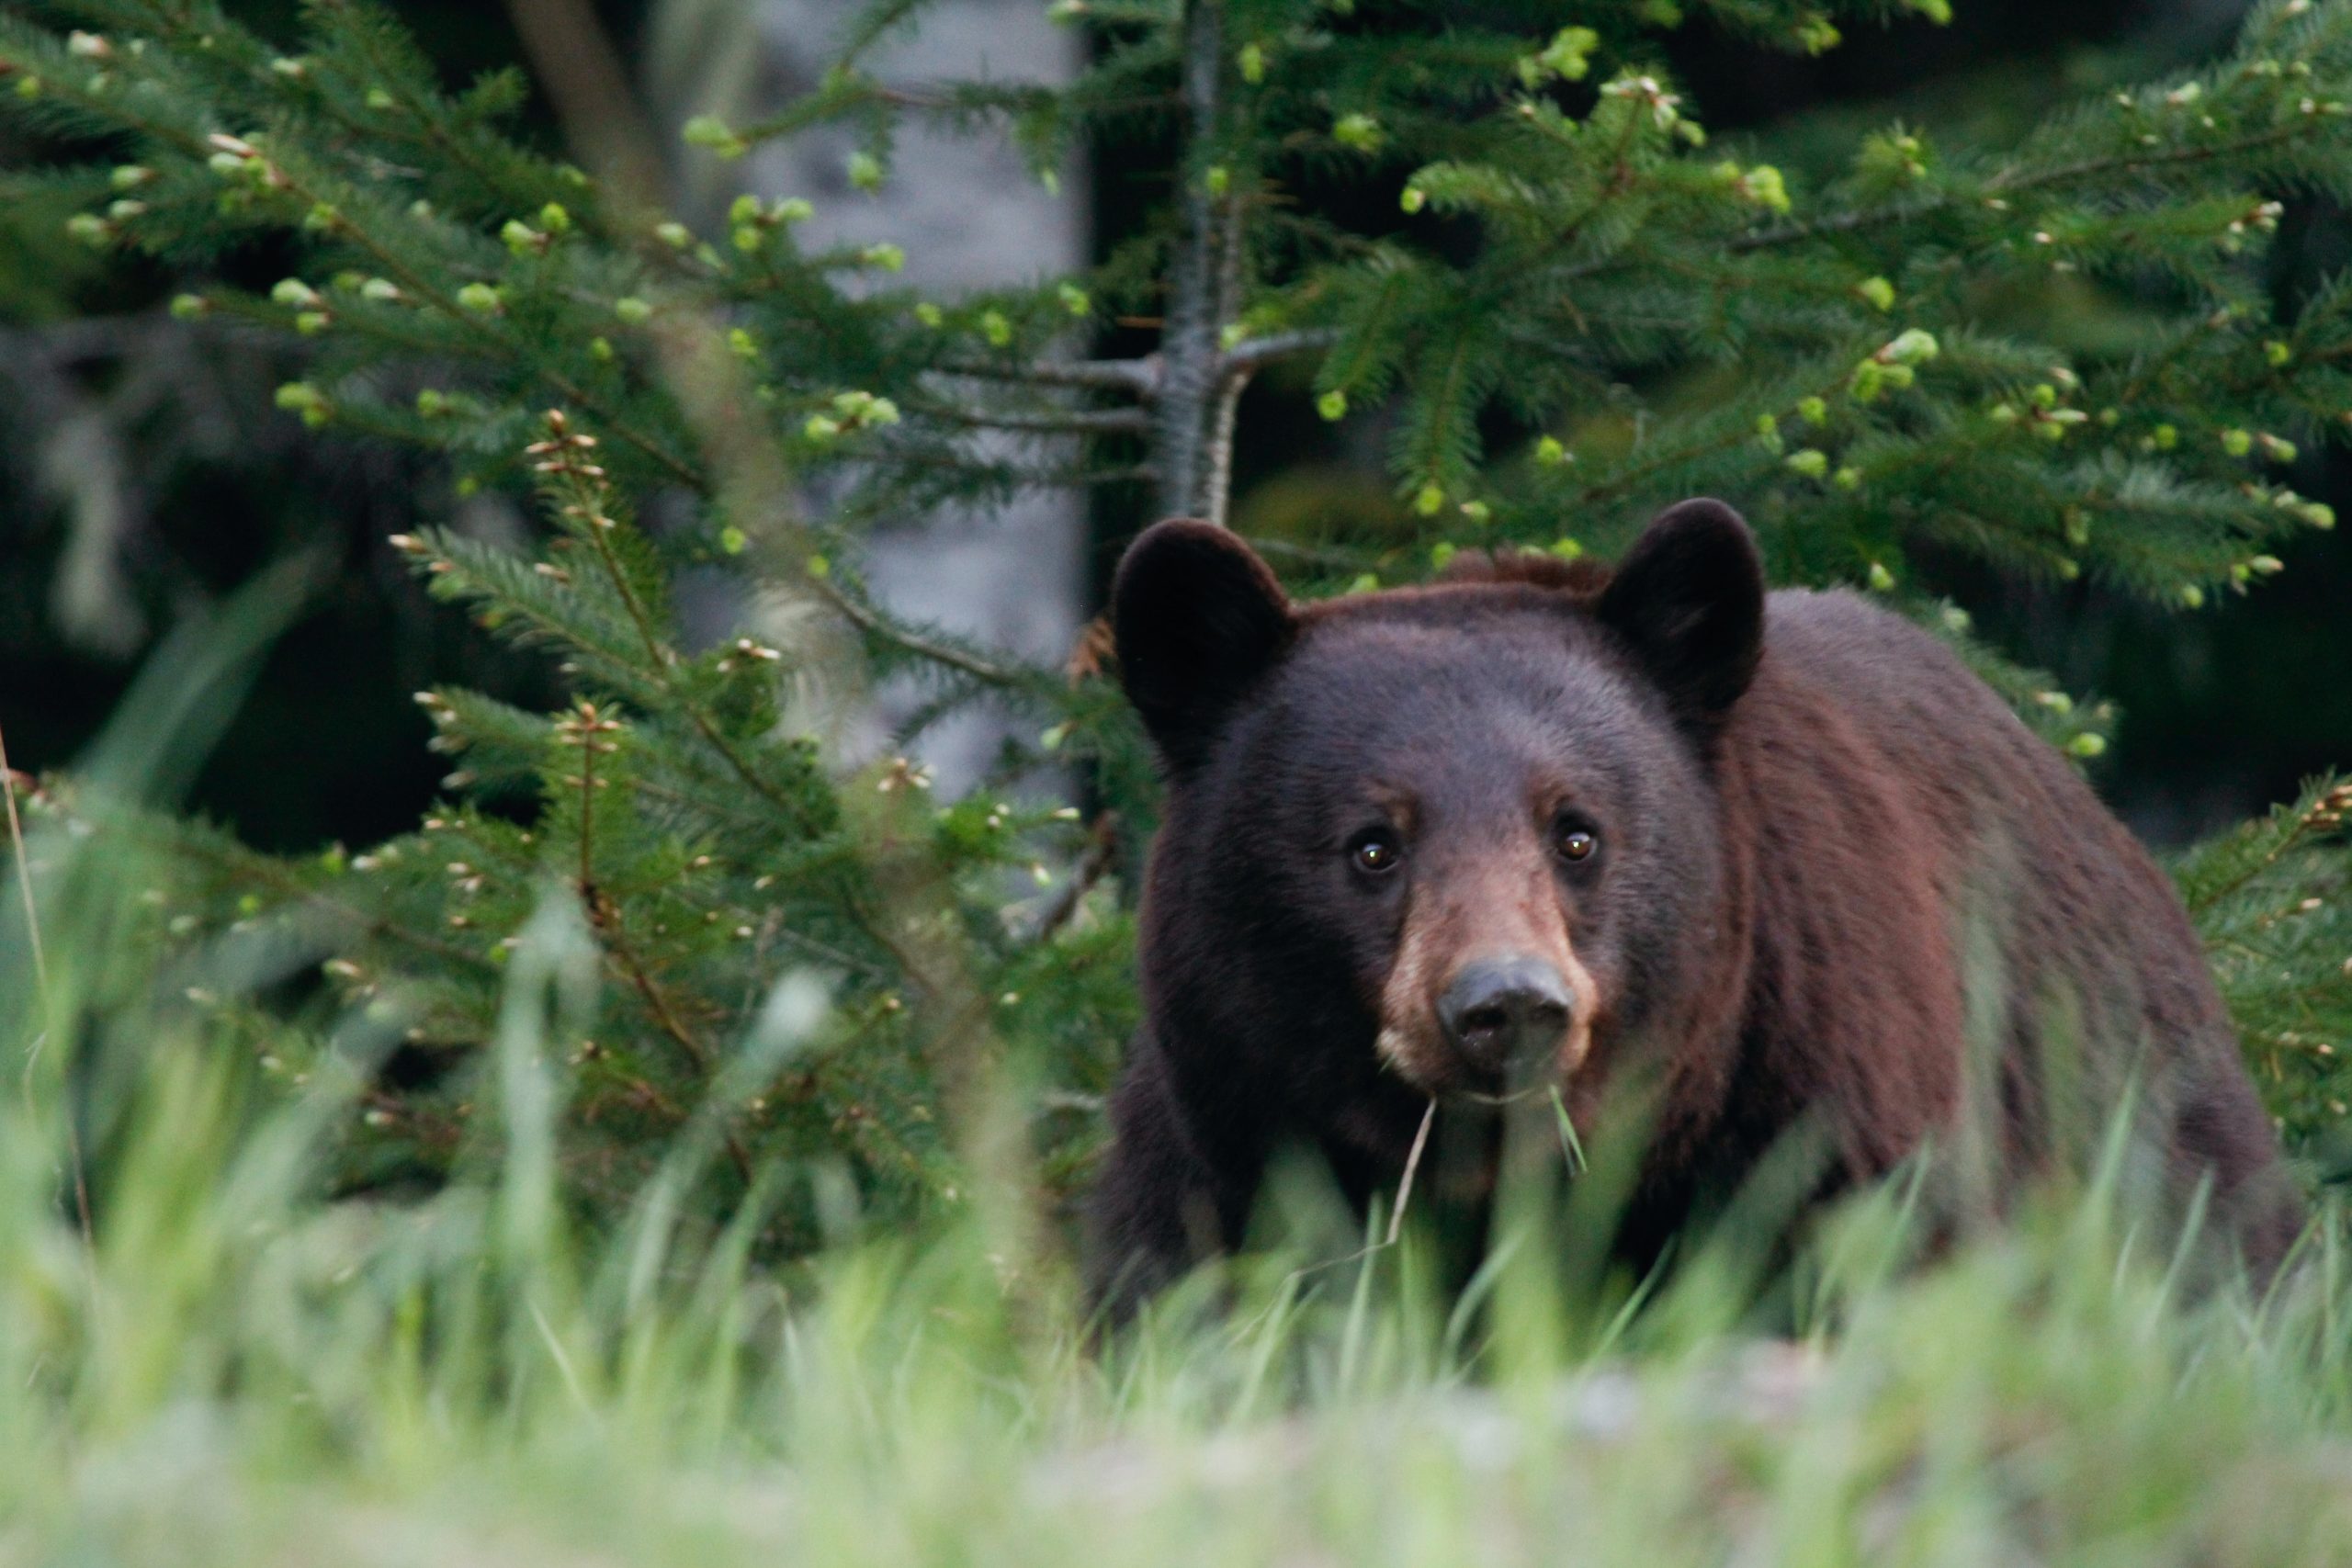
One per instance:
[(1689, 600), (1198, 619)]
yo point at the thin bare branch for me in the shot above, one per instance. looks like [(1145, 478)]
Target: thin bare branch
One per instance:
[(1068, 422), (1248, 357), (1141, 377)]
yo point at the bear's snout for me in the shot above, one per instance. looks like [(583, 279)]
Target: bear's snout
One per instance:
[(1501, 1013)]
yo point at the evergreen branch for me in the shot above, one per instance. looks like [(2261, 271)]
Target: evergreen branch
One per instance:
[(2011, 182), (2326, 812), (1141, 376), (1070, 422), (1248, 357), (874, 624)]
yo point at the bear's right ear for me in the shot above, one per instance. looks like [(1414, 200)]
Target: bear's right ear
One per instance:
[(1198, 619), (1688, 599)]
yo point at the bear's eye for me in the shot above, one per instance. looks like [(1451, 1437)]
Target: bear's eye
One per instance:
[(1572, 842), (1375, 851)]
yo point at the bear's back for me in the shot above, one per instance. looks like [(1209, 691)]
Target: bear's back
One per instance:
[(2078, 975)]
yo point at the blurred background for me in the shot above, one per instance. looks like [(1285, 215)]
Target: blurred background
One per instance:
[(145, 473)]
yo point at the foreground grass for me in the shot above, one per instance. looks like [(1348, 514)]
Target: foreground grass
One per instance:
[(222, 1364)]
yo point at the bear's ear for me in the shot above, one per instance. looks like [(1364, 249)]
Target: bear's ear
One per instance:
[(1689, 600), (1198, 618)]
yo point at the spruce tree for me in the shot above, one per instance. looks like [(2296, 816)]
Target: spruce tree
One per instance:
[(2057, 357)]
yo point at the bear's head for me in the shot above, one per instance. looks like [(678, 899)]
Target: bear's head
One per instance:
[(1452, 842)]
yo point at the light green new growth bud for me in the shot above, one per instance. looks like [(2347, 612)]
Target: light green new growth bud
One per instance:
[(1810, 463), (379, 99), (430, 404), (600, 349), (555, 219), (1442, 555), (1367, 583), (1763, 186), (1813, 411), (996, 329), (2058, 703), (2277, 353), (1878, 291), (520, 237), (886, 255), (1568, 550), (2278, 449), (1847, 478), (130, 177), (675, 235), (1217, 181), (2087, 744), (1957, 619), (747, 239), (310, 323), (2192, 597), (480, 297), (865, 171), (1253, 63), (383, 290), (1360, 131), (709, 130), (632, 310), (2237, 443), (295, 396), (1427, 500), (1332, 405), (1074, 300), (928, 314), (1413, 199), (821, 428), (731, 539), (189, 307), (1881, 579), (1915, 347), (741, 343), (293, 291), (1478, 512), (89, 228), (1551, 453)]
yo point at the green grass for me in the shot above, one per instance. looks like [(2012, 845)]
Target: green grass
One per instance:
[(234, 1367)]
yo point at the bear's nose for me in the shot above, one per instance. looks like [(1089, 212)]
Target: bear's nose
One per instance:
[(1500, 1010)]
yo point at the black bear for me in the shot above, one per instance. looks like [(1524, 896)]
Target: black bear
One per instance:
[(1541, 826)]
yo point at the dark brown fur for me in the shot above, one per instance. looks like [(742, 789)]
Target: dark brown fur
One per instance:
[(1842, 886)]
